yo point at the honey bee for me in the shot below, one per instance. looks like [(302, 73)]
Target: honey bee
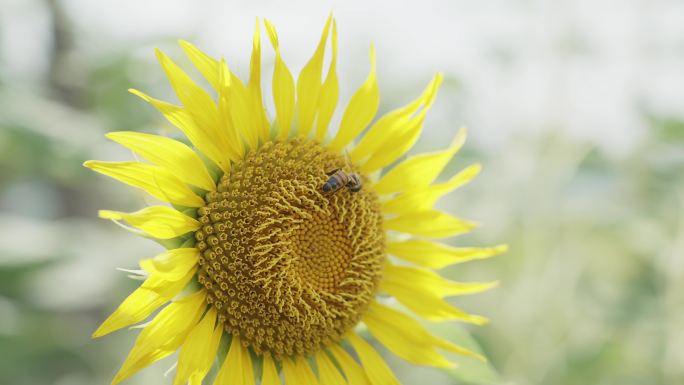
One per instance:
[(338, 179)]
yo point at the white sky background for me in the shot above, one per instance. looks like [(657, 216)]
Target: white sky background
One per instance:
[(589, 68)]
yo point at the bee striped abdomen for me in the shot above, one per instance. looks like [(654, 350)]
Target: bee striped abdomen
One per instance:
[(337, 180)]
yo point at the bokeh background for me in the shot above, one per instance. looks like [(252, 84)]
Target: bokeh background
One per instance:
[(575, 110)]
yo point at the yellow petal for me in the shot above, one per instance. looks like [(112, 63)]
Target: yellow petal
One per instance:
[(407, 338), (199, 350), (305, 375), (233, 134), (376, 369), (198, 102), (309, 85), (237, 367), (402, 138), (135, 308), (390, 123), (328, 373), (173, 264), (283, 87), (429, 223), (298, 372), (330, 92), (352, 370), (261, 125), (241, 109), (399, 144), (154, 292), (423, 198), (157, 221), (360, 110), (428, 306), (168, 153), (207, 65), (183, 119), (289, 372), (155, 180), (419, 170), (437, 255), (428, 282), (269, 374), (194, 98), (403, 336), (164, 335)]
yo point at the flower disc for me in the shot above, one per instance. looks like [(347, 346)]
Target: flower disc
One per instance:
[(288, 267)]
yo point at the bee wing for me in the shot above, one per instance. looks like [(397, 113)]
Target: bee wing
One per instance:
[(331, 173), (347, 161)]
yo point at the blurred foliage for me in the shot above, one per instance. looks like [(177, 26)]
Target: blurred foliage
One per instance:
[(591, 292)]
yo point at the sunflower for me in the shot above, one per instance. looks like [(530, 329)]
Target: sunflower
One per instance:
[(279, 237)]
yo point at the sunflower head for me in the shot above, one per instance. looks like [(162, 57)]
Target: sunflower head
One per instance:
[(281, 261), (282, 239)]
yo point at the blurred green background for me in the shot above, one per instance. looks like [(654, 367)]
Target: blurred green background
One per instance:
[(575, 109)]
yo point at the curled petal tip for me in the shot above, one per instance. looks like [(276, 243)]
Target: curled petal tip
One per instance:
[(108, 214)]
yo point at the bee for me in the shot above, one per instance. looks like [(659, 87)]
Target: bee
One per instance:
[(338, 179)]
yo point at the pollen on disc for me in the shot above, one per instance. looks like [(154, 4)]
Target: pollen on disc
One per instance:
[(289, 268)]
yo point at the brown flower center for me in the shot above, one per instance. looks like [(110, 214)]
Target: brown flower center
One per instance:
[(288, 267)]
